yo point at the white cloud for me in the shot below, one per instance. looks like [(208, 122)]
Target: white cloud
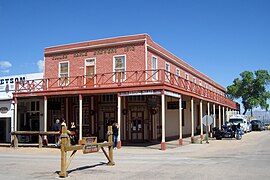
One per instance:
[(4, 71), (40, 65), (5, 65)]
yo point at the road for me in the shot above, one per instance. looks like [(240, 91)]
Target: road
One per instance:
[(248, 158)]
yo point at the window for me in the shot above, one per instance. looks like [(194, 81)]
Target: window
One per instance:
[(63, 73), (167, 72), (194, 80), (119, 64), (177, 72), (154, 68), (34, 105), (200, 82), (187, 77)]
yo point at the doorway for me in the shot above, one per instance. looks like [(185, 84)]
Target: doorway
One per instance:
[(90, 73), (109, 119), (137, 126), (2, 130)]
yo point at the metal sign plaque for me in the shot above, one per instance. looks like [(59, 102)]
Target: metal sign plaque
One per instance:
[(91, 148)]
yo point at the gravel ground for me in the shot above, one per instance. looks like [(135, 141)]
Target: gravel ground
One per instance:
[(248, 158)]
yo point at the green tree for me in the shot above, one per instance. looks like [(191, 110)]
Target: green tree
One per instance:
[(252, 89)]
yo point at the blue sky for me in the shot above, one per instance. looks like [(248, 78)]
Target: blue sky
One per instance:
[(220, 38)]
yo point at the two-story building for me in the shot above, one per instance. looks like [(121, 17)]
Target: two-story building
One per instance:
[(151, 93)]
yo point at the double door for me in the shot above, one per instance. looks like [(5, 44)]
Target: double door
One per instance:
[(137, 126)]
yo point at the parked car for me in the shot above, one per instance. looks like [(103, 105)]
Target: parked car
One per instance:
[(239, 119), (257, 125), (249, 127), (267, 126)]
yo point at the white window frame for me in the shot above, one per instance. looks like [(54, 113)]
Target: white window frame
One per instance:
[(194, 80), (59, 73), (167, 71), (125, 64), (200, 82), (154, 71), (177, 72)]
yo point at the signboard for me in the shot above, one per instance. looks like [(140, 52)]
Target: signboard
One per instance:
[(206, 118), (91, 148), (3, 110), (137, 93), (173, 94), (89, 140)]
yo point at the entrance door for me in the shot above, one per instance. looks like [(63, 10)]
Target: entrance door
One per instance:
[(90, 73), (109, 118), (137, 126), (3, 130)]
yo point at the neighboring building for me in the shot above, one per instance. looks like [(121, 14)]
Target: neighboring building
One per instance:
[(128, 79), (7, 87)]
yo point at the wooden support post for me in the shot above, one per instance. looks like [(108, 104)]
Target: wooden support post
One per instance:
[(64, 140), (39, 141), (111, 162), (15, 141)]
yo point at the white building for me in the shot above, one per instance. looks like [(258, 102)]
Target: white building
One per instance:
[(7, 87)]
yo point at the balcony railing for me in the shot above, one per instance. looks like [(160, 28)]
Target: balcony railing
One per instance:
[(122, 79)]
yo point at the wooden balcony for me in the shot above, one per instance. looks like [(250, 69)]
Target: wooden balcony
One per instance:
[(119, 82)]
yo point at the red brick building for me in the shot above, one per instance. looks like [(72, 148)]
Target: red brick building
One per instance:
[(128, 79)]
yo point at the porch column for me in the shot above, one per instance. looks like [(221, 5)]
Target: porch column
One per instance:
[(208, 112), (219, 117), (45, 113), (15, 113), (163, 143), (80, 117), (119, 120), (223, 112), (12, 117), (214, 115), (201, 116), (93, 116), (180, 122), (45, 118), (192, 120), (227, 116)]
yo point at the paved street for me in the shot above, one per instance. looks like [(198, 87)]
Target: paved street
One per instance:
[(226, 159)]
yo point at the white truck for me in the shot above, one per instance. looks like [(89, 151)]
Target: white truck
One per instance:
[(239, 119)]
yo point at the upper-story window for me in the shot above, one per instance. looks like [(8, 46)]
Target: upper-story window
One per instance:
[(167, 72), (154, 68), (119, 64), (187, 77), (63, 73), (194, 80), (177, 72), (200, 83)]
